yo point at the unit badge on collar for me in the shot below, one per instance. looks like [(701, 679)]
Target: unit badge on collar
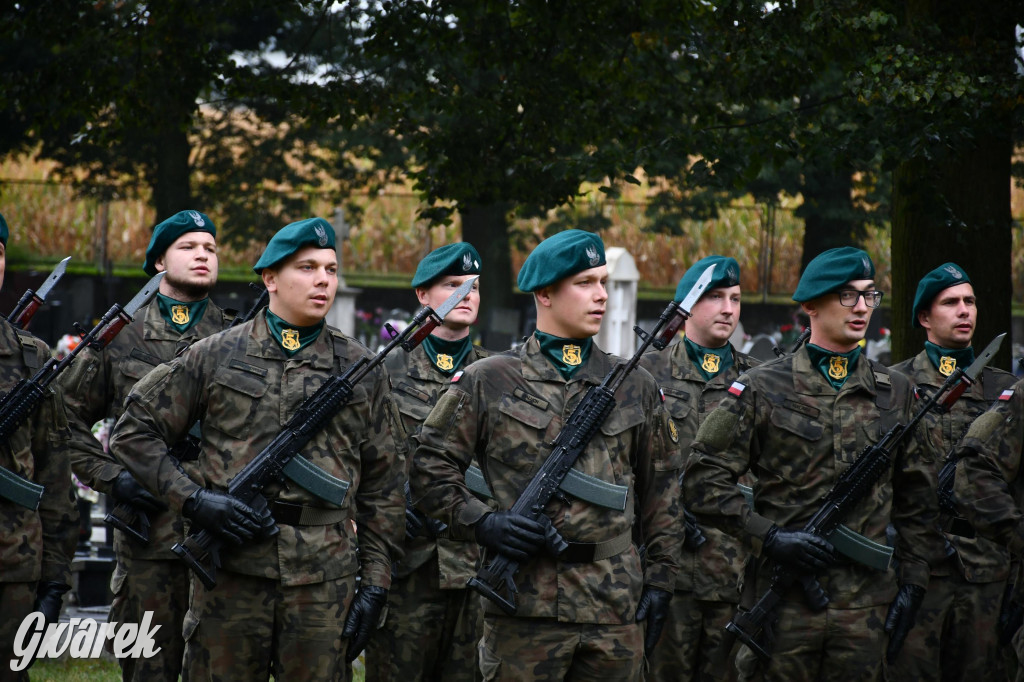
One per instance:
[(711, 363), (571, 354), (445, 362), (290, 339), (946, 365), (179, 314), (837, 367)]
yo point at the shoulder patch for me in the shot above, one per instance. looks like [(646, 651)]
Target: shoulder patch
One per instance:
[(457, 376), (737, 388), (1006, 395), (661, 392)]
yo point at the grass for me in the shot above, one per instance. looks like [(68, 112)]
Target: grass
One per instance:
[(97, 670)]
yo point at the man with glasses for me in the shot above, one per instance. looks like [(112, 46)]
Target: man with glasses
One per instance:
[(956, 637), (796, 424)]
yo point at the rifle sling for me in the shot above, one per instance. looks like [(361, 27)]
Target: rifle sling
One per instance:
[(576, 483), (315, 480), (19, 490)]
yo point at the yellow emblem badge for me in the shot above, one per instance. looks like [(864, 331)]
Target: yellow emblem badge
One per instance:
[(673, 432), (946, 365), (290, 339), (571, 354), (837, 367), (711, 363), (445, 362), (179, 314)]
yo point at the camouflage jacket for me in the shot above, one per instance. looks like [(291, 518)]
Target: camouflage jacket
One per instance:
[(505, 411), (785, 423), (243, 389), (989, 487), (39, 544), (978, 560), (95, 387), (712, 572), (417, 387)]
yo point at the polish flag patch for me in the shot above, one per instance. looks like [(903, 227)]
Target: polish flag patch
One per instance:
[(457, 376), (1006, 395), (662, 394), (737, 388)]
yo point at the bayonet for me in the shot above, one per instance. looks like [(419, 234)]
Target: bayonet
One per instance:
[(31, 300)]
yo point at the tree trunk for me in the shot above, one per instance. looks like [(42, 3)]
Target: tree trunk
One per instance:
[(827, 212), (486, 228), (171, 188)]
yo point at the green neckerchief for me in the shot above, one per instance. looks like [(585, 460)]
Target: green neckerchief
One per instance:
[(565, 354), (946, 360), (835, 366), (292, 338), (446, 355), (709, 361), (179, 314)]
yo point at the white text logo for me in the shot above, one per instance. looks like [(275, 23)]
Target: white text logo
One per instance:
[(82, 638)]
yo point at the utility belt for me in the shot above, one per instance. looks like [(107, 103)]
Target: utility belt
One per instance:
[(20, 491), (847, 542), (291, 514), (576, 483), (587, 552), (314, 480)]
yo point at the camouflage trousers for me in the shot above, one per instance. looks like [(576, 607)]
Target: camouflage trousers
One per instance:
[(542, 649), (248, 628), (1016, 672), (161, 587), (692, 634), (955, 634), (844, 645), (16, 601), (429, 633)]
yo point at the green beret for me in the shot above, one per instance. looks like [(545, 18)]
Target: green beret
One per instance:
[(165, 233), (290, 238), (3, 230), (945, 276), (830, 270), (726, 274), (559, 256), (459, 258)]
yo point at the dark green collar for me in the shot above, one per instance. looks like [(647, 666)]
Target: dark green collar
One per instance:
[(292, 338), (834, 366), (567, 355), (446, 356), (710, 362), (181, 315), (946, 360)]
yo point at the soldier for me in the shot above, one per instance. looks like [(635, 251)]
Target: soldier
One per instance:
[(578, 613), (694, 376), (433, 620), (955, 637), (36, 542), (796, 423), (281, 597), (148, 577)]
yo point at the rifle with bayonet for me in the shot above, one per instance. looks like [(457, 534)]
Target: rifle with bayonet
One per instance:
[(496, 580), (201, 548), (852, 486), (22, 400), (134, 522), (31, 300)]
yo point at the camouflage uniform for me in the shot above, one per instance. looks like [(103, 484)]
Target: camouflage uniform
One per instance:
[(35, 546), (708, 585), (434, 620), (279, 603), (505, 410), (796, 433), (955, 636), (147, 578)]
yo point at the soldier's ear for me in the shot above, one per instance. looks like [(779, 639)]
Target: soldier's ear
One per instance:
[(421, 295), (543, 297), (269, 280), (924, 319), (809, 308), (159, 264)]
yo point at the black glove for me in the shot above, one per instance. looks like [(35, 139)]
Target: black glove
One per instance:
[(516, 536), (362, 619), (49, 599), (126, 489), (694, 535), (797, 550), (653, 608), (225, 515), (900, 619)]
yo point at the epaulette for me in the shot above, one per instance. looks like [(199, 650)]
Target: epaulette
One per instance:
[(29, 350)]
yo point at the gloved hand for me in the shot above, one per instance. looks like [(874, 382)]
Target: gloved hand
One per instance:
[(225, 515), (516, 536), (694, 535), (653, 608), (49, 598), (362, 619), (126, 489), (798, 550), (901, 616)]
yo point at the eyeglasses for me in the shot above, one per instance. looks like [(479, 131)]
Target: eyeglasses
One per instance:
[(848, 298)]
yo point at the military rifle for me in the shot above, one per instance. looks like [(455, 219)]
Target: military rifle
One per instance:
[(572, 441), (272, 463), (133, 522), (22, 400), (31, 300), (852, 486)]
